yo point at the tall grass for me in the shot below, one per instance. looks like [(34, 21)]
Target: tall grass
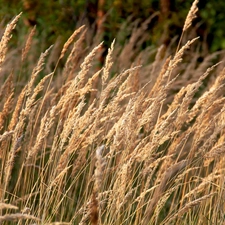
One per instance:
[(79, 146)]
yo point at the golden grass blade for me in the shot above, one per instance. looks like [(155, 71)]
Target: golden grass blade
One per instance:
[(6, 38), (7, 206), (70, 40), (27, 47), (18, 216), (191, 15), (108, 64)]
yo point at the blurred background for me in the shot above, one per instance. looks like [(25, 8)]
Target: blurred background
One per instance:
[(58, 19)]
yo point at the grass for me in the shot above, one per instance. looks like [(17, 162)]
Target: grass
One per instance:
[(81, 147)]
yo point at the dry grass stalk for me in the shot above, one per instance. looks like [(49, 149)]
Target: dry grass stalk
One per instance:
[(99, 170), (58, 223), (7, 206), (216, 151), (6, 110), (10, 161), (161, 79), (70, 40), (72, 130), (17, 109), (170, 173), (31, 100), (204, 184), (27, 47), (71, 122), (85, 66), (94, 213), (36, 71), (59, 178), (120, 186), (158, 57), (191, 15), (74, 56), (78, 84), (18, 136), (161, 203), (5, 135), (88, 88), (18, 216), (190, 205), (7, 88), (46, 124), (108, 64), (6, 38), (178, 56)]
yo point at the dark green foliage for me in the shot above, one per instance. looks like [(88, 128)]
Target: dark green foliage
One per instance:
[(59, 18)]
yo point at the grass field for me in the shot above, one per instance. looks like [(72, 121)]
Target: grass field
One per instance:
[(113, 146)]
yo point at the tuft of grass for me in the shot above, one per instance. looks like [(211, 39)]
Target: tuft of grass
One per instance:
[(81, 146)]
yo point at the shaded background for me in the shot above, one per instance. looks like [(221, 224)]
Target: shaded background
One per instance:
[(58, 19)]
